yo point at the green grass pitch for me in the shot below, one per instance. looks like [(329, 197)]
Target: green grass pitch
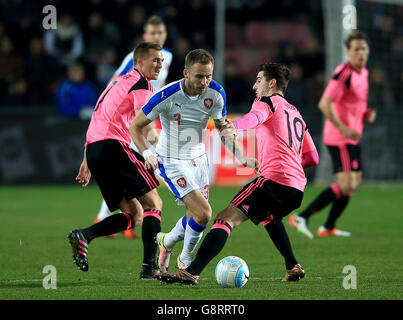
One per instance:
[(35, 221)]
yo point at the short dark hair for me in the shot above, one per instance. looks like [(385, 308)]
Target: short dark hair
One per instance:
[(277, 71), (143, 49), (198, 55), (355, 35), (153, 20)]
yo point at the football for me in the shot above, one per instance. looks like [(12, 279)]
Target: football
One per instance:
[(232, 272)]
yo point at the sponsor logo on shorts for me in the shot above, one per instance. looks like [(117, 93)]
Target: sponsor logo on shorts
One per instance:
[(245, 207), (181, 182)]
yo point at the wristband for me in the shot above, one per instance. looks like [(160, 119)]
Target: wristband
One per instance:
[(147, 153)]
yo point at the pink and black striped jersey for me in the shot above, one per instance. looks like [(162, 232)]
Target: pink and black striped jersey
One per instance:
[(116, 106), (280, 134), (348, 89)]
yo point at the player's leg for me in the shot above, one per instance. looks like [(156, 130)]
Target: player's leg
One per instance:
[(349, 181), (79, 239), (327, 196), (279, 236), (200, 214), (166, 242), (152, 206), (121, 177), (103, 213), (215, 239), (211, 246), (131, 215), (349, 178), (278, 200), (176, 234)]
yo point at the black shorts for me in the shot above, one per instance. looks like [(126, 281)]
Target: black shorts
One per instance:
[(263, 197), (345, 158), (119, 171)]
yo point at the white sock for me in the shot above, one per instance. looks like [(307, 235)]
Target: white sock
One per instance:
[(103, 211), (176, 234), (193, 235)]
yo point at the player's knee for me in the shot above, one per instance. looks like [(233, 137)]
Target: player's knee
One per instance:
[(151, 200), (346, 186), (157, 202), (137, 219), (204, 216)]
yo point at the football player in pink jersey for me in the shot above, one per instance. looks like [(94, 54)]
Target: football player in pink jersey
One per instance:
[(344, 104), (154, 31), (284, 148), (123, 179)]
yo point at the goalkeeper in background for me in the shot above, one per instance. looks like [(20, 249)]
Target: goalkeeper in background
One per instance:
[(344, 104)]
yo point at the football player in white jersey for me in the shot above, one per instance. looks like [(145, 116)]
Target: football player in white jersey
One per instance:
[(154, 31), (184, 107)]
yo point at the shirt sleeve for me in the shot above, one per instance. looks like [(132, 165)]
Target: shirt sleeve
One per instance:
[(220, 107), (339, 83), (264, 108), (154, 106), (141, 97), (334, 90)]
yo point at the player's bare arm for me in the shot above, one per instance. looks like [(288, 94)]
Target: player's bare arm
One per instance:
[(84, 173), (325, 105), (151, 134), (137, 134), (228, 138)]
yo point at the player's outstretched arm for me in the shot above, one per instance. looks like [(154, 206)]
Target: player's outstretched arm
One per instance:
[(137, 134), (84, 173), (228, 138)]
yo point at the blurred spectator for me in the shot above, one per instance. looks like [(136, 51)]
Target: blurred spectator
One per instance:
[(396, 73), (118, 10), (380, 95), (41, 74), (12, 84), (288, 53), (314, 88), (131, 28), (311, 57), (99, 36), (238, 91), (194, 15), (106, 69), (182, 47), (295, 92), (76, 96), (66, 42)]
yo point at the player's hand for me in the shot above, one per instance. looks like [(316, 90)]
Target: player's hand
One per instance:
[(152, 162), (351, 133), (84, 175), (228, 125), (370, 115), (251, 163)]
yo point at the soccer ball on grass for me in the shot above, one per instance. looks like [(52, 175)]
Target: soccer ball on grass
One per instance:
[(232, 272)]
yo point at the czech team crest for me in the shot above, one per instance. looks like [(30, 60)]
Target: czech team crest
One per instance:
[(181, 182), (208, 103)]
